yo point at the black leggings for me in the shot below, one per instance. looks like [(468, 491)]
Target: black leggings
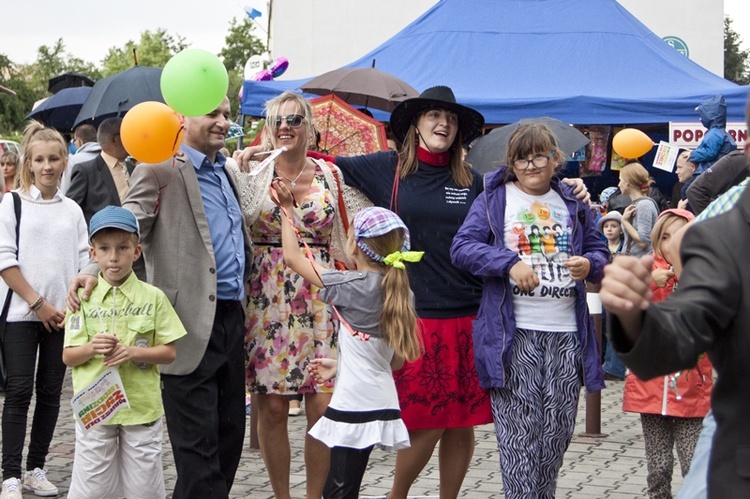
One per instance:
[(345, 474), (22, 341)]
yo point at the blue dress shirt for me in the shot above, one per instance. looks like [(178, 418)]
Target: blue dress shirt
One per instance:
[(224, 223)]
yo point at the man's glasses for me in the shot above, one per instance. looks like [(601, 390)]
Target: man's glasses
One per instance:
[(292, 121), (538, 161)]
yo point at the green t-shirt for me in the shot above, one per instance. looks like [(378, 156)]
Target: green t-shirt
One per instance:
[(142, 316)]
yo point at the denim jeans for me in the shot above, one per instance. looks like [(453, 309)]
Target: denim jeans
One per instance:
[(22, 341), (695, 484), (612, 363)]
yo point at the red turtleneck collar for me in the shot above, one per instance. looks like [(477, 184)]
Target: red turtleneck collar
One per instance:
[(433, 158)]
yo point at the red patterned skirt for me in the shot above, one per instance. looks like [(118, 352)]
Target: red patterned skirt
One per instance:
[(441, 388)]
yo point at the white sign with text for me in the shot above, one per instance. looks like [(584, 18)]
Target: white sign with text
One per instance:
[(689, 135)]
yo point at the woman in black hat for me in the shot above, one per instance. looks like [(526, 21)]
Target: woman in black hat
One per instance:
[(431, 187)]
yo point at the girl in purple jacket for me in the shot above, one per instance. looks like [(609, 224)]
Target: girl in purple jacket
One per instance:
[(535, 344)]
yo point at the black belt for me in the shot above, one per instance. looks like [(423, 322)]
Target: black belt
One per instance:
[(278, 245), (362, 416), (228, 304)]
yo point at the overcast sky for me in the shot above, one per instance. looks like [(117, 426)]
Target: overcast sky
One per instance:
[(90, 27), (739, 11)]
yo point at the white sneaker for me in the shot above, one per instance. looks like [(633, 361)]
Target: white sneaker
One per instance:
[(36, 482), (11, 489)]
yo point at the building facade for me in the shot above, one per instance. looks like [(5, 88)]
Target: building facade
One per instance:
[(320, 35)]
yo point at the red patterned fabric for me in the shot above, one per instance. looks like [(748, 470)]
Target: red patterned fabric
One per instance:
[(345, 131), (441, 389)]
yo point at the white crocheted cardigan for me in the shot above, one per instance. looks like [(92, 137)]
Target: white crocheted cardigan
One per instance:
[(254, 188)]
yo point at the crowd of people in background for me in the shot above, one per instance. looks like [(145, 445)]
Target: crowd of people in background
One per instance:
[(705, 316), (292, 277)]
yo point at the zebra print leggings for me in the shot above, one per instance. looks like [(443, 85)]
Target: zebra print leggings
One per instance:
[(535, 411)]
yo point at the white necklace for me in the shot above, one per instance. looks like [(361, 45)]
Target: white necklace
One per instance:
[(293, 183)]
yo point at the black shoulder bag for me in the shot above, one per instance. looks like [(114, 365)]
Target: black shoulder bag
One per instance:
[(4, 315)]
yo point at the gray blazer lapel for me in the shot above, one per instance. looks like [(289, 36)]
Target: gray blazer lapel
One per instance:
[(190, 178)]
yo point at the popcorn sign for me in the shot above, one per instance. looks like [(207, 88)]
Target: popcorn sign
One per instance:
[(689, 135), (100, 401)]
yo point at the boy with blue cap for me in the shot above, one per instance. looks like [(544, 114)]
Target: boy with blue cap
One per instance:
[(130, 325)]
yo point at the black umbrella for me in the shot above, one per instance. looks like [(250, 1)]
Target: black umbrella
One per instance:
[(116, 94), (488, 152), (69, 80), (60, 110)]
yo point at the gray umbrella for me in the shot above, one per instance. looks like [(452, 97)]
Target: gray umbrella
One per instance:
[(368, 87), (116, 94), (488, 152)]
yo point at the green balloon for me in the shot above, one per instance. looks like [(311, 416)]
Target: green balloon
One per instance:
[(194, 82)]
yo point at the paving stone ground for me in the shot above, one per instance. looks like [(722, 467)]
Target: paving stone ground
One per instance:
[(611, 467)]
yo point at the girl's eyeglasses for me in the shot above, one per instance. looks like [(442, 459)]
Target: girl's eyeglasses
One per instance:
[(538, 161), (292, 120)]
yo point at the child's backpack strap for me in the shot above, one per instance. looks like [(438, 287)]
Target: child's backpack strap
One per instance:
[(357, 334)]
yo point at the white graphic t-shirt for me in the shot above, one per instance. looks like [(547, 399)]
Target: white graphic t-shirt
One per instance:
[(539, 229)]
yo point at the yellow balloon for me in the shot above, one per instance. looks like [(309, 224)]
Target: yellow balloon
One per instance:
[(151, 132), (631, 143)]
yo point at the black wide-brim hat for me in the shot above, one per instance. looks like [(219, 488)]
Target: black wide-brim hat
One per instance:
[(470, 122)]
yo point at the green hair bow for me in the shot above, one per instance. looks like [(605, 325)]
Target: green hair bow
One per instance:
[(397, 258)]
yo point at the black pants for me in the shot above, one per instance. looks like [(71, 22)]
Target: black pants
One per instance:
[(22, 341), (345, 474), (205, 411)]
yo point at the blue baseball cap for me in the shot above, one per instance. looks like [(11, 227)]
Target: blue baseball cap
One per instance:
[(114, 217)]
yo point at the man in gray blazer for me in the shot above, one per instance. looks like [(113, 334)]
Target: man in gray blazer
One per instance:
[(92, 183), (195, 251)]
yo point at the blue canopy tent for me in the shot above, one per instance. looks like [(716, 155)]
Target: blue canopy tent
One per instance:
[(581, 61)]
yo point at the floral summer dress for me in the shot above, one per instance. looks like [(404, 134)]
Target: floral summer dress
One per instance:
[(287, 323)]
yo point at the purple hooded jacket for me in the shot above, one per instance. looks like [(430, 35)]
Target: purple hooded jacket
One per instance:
[(479, 248)]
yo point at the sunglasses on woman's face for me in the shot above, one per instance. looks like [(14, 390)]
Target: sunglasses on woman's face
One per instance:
[(292, 120)]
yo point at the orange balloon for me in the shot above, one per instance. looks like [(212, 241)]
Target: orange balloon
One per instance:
[(151, 132), (631, 143)]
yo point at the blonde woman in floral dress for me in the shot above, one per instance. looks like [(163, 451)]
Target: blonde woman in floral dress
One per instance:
[(288, 325)]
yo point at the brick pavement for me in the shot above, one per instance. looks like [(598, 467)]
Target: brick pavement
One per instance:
[(613, 467)]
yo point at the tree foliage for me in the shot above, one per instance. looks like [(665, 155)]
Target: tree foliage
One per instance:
[(30, 82), (154, 49), (736, 64), (12, 107), (239, 45), (236, 80), (54, 60)]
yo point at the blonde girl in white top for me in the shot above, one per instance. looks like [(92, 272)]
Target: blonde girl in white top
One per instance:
[(52, 246)]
